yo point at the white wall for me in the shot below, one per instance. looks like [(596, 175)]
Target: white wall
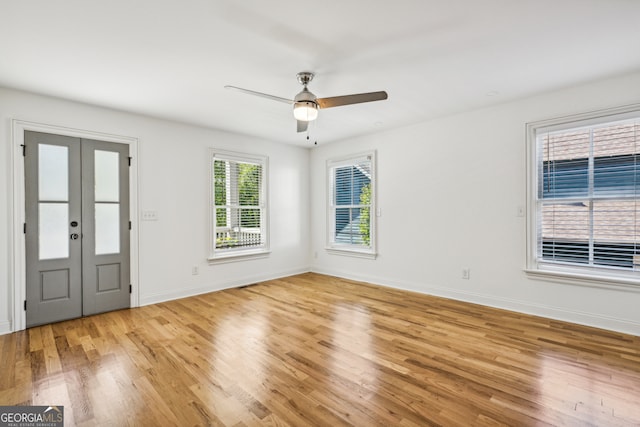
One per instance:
[(449, 190), (463, 215), (173, 180)]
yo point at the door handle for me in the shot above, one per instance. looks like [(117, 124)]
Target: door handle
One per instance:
[(74, 236)]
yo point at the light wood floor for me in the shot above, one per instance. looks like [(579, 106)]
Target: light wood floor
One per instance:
[(321, 351)]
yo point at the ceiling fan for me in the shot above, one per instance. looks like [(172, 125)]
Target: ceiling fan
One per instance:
[(306, 104)]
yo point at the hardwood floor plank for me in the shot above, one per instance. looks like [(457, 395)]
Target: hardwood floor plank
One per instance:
[(314, 350), (9, 355)]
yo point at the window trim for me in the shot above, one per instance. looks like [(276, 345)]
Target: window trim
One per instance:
[(238, 254), (601, 277), (348, 249)]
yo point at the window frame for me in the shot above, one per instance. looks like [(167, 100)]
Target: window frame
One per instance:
[(602, 277), (332, 247), (238, 254)]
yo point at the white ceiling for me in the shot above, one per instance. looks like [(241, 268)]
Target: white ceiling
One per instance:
[(172, 58)]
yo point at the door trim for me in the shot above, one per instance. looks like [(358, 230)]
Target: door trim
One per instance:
[(18, 127)]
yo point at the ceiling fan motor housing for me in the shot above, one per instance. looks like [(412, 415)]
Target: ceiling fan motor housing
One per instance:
[(305, 95)]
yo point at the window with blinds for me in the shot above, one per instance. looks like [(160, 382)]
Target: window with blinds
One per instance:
[(351, 183), (588, 185), (239, 205)]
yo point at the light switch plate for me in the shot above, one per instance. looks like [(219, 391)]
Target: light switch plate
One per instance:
[(149, 215)]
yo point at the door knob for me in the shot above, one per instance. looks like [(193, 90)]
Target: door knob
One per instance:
[(74, 236)]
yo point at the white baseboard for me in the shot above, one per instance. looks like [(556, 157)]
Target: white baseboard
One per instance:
[(588, 319), (550, 312), (203, 289), (5, 327)]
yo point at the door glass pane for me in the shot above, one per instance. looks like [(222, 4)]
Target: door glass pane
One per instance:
[(107, 228), (53, 224), (53, 173), (106, 176)]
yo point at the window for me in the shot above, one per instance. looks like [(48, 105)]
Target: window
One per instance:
[(585, 183), (351, 202), (239, 208)]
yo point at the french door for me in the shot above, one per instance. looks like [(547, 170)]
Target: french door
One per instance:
[(77, 227)]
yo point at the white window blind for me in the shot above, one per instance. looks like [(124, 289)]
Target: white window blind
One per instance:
[(351, 198), (239, 206), (588, 179)]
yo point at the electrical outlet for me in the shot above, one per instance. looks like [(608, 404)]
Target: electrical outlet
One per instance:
[(466, 273), (194, 270)]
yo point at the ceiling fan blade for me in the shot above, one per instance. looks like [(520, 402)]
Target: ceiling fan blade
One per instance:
[(302, 125), (263, 95), (336, 101)]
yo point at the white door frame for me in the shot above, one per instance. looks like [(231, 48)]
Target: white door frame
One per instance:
[(17, 312)]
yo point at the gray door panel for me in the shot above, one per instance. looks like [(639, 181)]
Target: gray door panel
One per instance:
[(53, 258), (77, 233), (105, 253)]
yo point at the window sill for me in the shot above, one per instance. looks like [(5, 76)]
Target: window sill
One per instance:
[(368, 254), (238, 256), (579, 277)]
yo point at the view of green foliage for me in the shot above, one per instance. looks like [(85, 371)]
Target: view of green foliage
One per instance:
[(226, 242), (220, 191), (365, 214), (248, 193)]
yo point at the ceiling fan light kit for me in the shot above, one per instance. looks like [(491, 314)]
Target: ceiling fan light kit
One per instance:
[(305, 111), (306, 105)]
